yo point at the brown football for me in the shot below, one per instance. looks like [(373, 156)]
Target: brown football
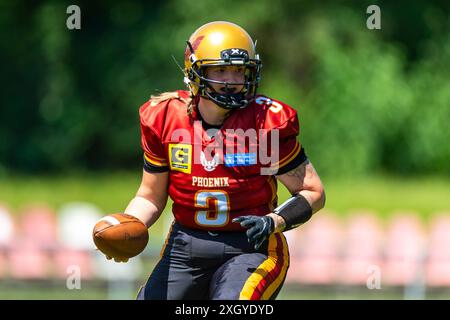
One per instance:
[(120, 235)]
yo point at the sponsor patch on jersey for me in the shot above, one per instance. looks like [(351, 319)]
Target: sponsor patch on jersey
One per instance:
[(180, 156), (240, 159)]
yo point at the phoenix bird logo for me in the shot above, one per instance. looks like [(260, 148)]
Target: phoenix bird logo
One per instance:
[(209, 165)]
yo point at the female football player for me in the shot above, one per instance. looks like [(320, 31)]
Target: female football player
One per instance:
[(218, 151)]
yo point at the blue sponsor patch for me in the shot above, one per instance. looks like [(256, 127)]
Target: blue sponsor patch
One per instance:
[(240, 159)]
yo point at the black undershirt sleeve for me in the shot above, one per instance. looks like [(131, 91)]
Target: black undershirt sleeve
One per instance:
[(294, 163)]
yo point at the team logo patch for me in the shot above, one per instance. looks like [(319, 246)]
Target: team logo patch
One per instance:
[(240, 159), (209, 165), (180, 157)]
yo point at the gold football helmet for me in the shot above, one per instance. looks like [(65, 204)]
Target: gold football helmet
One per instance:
[(221, 43)]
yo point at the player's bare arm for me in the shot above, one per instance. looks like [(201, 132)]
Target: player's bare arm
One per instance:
[(151, 197), (304, 181), (141, 213)]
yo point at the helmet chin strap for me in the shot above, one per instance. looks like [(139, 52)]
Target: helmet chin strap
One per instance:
[(227, 101)]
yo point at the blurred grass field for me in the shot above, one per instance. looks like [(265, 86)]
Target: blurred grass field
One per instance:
[(96, 291), (112, 192)]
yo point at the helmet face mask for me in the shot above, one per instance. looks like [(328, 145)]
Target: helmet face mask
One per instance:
[(227, 97), (222, 44)]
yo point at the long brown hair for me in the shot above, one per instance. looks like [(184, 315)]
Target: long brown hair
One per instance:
[(173, 95)]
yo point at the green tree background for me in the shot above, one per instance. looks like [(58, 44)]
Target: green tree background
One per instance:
[(369, 101)]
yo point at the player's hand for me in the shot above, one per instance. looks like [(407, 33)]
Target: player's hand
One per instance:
[(116, 259), (259, 228)]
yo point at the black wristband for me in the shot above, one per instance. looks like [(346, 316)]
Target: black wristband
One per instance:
[(295, 211)]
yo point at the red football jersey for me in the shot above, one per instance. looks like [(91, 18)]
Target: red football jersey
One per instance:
[(214, 179)]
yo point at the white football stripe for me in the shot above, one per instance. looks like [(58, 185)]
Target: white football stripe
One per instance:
[(111, 220)]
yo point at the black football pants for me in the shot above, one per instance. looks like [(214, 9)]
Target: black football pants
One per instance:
[(197, 264)]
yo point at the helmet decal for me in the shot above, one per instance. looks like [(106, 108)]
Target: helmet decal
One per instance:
[(234, 53), (192, 46)]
